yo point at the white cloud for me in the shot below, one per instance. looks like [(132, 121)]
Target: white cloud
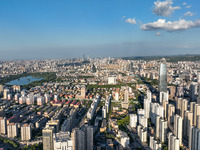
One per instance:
[(130, 20), (122, 19), (164, 8), (169, 26), (184, 3), (158, 34), (189, 6), (189, 14)]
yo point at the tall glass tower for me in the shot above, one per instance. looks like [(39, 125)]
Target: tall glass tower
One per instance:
[(163, 76)]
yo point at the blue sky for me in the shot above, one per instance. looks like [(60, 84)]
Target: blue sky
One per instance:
[(40, 29)]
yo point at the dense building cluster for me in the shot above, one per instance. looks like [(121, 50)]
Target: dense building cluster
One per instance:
[(101, 103)]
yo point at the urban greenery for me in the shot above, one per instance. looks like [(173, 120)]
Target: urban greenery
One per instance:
[(10, 142)]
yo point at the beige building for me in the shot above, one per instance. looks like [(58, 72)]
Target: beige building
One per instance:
[(12, 130), (26, 132), (3, 125), (47, 138), (55, 124)]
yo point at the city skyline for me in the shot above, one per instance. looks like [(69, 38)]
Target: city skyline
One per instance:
[(51, 29), (108, 103)]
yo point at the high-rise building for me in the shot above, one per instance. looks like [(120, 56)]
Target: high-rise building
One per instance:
[(133, 120), (163, 97), (163, 130), (149, 95), (178, 127), (176, 144), (156, 110), (26, 132), (78, 138), (196, 113), (3, 125), (47, 138), (143, 135), (151, 141), (55, 124), (6, 91), (125, 103), (192, 105), (46, 98), (165, 106), (147, 104), (16, 97), (198, 122), (184, 106), (187, 122), (194, 138), (30, 99), (198, 76), (40, 100), (131, 67), (12, 130), (163, 76), (88, 130), (180, 91), (83, 91), (173, 142), (198, 98), (22, 99), (126, 96), (158, 126), (171, 113), (82, 138), (169, 140), (16, 88), (143, 122), (172, 92), (2, 112), (193, 91), (104, 112), (62, 141), (66, 126), (1, 89)]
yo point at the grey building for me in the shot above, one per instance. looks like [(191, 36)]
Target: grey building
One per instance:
[(163, 76)]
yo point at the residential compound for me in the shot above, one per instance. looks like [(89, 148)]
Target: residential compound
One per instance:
[(100, 103)]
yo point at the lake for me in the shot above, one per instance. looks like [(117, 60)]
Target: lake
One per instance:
[(23, 80)]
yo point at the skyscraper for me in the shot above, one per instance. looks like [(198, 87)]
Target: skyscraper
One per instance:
[(171, 113), (82, 138), (47, 138), (163, 76), (178, 127), (88, 138), (78, 138), (131, 66)]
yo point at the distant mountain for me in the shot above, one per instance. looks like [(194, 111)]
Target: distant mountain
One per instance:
[(172, 58)]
